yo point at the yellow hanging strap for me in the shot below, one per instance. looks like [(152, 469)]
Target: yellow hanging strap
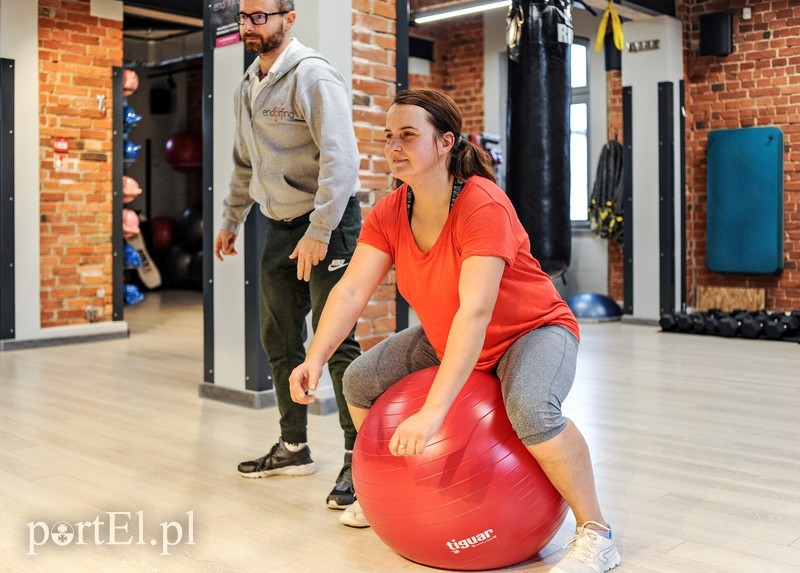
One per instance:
[(616, 28)]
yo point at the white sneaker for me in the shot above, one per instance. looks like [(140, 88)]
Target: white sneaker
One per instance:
[(353, 516), (590, 553)]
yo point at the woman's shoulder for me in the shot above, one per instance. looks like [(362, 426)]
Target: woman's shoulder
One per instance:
[(484, 191)]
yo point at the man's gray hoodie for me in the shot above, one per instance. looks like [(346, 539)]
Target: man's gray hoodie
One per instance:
[(295, 151)]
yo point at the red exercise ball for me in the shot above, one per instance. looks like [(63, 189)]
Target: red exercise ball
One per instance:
[(163, 230), (184, 151), (476, 499)]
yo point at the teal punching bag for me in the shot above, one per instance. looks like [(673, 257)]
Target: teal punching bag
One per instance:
[(539, 35)]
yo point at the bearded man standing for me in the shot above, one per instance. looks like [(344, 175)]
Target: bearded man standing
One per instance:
[(295, 155)]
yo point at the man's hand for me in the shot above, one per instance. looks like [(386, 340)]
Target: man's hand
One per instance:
[(223, 244), (308, 252)]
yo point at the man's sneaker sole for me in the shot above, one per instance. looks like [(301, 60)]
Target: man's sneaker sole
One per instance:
[(304, 470), (333, 504)]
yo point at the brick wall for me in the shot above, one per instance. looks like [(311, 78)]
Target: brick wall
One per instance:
[(76, 55), (458, 66), (614, 121), (756, 85), (374, 57)]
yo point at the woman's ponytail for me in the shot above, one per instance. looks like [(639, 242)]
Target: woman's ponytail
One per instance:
[(467, 159)]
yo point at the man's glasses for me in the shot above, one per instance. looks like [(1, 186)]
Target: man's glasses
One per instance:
[(257, 18)]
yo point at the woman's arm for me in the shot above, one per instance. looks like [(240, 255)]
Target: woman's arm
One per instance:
[(477, 289), (345, 303)]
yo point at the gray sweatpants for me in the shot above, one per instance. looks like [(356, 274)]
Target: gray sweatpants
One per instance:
[(536, 374)]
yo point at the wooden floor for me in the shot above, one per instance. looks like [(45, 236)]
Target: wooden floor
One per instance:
[(695, 442)]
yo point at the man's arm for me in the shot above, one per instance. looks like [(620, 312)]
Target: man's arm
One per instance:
[(237, 202), (326, 105)]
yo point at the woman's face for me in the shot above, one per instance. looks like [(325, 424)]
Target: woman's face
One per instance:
[(413, 148)]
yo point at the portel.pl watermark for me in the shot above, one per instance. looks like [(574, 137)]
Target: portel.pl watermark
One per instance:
[(111, 528)]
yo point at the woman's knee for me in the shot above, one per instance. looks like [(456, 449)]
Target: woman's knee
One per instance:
[(537, 423), (354, 381)]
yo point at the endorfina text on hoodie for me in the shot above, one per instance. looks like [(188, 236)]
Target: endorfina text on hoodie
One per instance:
[(294, 151)]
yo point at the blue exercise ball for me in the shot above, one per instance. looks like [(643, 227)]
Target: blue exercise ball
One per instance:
[(591, 306)]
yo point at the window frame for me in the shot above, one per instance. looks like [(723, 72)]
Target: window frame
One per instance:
[(581, 95)]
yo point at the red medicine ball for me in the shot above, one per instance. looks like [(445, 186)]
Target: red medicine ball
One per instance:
[(476, 499), (163, 233), (184, 151)]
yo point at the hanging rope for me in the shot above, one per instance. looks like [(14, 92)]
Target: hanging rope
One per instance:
[(605, 203), (616, 27)]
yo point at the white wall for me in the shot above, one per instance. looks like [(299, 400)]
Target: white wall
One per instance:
[(229, 341), (327, 26), (19, 37), (642, 72), (588, 271)]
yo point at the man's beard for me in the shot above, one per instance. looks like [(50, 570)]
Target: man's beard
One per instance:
[(260, 45)]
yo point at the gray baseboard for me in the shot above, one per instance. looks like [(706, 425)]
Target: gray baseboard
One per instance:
[(258, 400), (244, 398), (59, 340), (627, 318)]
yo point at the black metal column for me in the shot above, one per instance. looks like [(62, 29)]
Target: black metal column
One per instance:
[(402, 46), (117, 268), (208, 196), (7, 272), (666, 196), (627, 200), (257, 371), (682, 120)]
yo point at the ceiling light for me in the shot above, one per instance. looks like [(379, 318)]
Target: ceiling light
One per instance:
[(453, 12)]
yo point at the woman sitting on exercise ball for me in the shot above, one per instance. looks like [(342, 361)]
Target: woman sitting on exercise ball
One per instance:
[(462, 260)]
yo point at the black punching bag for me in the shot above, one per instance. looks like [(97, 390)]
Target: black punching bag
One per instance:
[(539, 35)]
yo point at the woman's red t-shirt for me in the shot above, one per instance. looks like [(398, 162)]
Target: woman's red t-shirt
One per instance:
[(482, 222)]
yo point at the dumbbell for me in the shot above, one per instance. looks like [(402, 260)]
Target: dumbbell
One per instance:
[(705, 322), (711, 323), (730, 324), (667, 322), (780, 325), (684, 322), (699, 320), (753, 324)]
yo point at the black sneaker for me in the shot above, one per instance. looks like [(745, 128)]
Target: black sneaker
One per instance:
[(279, 461), (343, 495)]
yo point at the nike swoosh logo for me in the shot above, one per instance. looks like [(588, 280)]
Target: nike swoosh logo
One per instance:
[(336, 265)]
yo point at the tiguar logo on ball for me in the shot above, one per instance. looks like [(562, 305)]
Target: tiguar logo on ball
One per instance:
[(116, 528), (456, 546)]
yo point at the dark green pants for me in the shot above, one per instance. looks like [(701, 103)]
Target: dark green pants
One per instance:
[(285, 303)]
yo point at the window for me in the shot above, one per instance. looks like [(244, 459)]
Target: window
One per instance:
[(579, 131)]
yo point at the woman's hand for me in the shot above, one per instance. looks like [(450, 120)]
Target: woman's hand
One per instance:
[(303, 382), (413, 434)]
